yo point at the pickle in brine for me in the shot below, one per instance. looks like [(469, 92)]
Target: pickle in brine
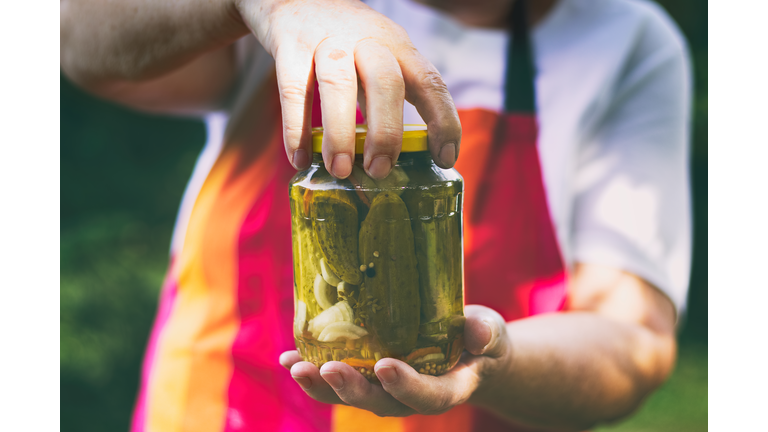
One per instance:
[(305, 251), (396, 182), (334, 220), (437, 242), (392, 284)]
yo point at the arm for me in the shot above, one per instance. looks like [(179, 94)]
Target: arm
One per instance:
[(157, 56), (594, 363), (173, 55), (567, 371)]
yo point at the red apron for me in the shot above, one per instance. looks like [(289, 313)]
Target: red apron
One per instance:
[(227, 306), (513, 261)]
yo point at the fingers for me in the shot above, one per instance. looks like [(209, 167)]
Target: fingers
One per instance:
[(426, 394), (308, 377), (387, 80), (426, 90), (337, 81), (289, 358), (338, 383), (403, 390), (485, 332), (485, 338), (295, 82), (382, 80), (354, 389)]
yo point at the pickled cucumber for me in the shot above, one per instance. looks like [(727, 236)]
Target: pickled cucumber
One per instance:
[(363, 184), (334, 221), (305, 252), (392, 283), (437, 242), (395, 182)]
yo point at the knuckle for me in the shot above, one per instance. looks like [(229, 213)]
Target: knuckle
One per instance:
[(293, 91), (435, 407), (368, 43), (292, 134), (440, 406), (388, 136), (427, 84), (337, 78), (338, 142), (399, 32), (293, 127), (430, 79), (390, 82)]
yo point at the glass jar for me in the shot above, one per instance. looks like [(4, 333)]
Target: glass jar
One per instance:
[(378, 264)]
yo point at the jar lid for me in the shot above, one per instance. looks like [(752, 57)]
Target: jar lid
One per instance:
[(414, 138)]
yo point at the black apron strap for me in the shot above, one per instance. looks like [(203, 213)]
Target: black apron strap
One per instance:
[(519, 91)]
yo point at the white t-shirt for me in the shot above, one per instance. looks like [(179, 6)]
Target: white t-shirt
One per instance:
[(613, 92)]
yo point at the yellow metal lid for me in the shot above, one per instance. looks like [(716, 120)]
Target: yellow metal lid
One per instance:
[(414, 138)]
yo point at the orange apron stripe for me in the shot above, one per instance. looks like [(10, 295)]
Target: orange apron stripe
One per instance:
[(195, 348), (349, 419), (458, 419), (168, 388)]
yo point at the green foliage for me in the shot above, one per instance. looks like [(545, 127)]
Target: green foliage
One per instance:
[(122, 176), (681, 404), (111, 270)]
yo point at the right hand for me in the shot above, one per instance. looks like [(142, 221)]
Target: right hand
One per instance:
[(345, 43)]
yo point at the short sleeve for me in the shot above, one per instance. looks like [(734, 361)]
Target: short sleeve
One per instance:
[(632, 195)]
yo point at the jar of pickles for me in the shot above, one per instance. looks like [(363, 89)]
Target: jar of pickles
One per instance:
[(378, 264)]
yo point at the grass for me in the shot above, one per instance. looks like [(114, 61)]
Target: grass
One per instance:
[(111, 271)]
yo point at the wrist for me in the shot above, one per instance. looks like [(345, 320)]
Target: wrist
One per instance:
[(494, 381), (235, 26), (493, 361), (254, 14)]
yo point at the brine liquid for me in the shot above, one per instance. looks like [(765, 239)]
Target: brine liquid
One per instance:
[(377, 305)]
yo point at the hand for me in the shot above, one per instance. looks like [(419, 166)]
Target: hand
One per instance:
[(403, 391), (348, 46)]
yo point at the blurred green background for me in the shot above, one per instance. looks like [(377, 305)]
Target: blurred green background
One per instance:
[(122, 177)]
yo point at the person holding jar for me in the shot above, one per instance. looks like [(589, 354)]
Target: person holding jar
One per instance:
[(571, 119)]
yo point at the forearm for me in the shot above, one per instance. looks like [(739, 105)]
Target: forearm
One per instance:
[(572, 370), (103, 42)]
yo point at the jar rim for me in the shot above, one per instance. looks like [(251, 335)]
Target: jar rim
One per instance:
[(414, 138)]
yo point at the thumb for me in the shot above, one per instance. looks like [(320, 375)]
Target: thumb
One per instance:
[(485, 331)]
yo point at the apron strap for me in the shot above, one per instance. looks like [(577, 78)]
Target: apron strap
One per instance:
[(519, 93)]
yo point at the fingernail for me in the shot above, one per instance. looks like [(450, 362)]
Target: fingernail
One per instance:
[(304, 382), (342, 166), (448, 154), (490, 339), (380, 167), (300, 159), (386, 374), (334, 379)]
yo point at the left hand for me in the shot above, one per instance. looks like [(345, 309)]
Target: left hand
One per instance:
[(404, 391)]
